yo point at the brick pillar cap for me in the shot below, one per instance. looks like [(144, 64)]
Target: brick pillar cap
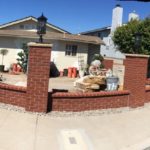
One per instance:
[(39, 44), (112, 58), (137, 55)]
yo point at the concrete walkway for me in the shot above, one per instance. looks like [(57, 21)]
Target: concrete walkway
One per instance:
[(129, 130), (60, 83)]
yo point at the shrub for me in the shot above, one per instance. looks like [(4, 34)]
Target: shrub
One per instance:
[(23, 58)]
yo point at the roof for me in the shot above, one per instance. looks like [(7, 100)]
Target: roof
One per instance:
[(34, 19), (52, 36), (96, 30)]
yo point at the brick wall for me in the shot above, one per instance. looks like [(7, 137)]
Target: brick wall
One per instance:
[(147, 88), (35, 96), (14, 95), (108, 63), (135, 77), (38, 77), (89, 101), (147, 95)]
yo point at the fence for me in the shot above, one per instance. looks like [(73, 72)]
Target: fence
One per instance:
[(36, 97)]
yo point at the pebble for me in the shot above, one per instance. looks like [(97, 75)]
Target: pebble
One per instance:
[(64, 114)]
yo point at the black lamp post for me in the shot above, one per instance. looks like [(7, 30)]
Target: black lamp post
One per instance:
[(41, 27), (138, 41)]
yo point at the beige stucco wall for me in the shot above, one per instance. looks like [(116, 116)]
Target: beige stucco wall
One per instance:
[(29, 25), (58, 52), (62, 61), (13, 45)]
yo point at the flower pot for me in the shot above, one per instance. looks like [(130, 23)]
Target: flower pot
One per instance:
[(2, 68)]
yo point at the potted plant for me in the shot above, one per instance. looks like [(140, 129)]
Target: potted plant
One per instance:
[(3, 52)]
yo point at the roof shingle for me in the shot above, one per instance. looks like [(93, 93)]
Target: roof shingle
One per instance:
[(53, 36)]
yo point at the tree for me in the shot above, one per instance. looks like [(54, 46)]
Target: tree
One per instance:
[(23, 58), (3, 52), (124, 36)]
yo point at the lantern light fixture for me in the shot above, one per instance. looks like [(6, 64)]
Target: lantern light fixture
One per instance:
[(41, 27)]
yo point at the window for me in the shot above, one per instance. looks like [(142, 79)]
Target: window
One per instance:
[(33, 26), (71, 50), (21, 26), (99, 35)]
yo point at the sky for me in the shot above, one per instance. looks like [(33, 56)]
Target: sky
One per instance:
[(74, 16)]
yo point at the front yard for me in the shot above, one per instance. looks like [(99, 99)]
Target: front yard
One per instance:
[(60, 83)]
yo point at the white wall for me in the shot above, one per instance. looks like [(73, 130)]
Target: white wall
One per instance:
[(109, 50), (117, 16), (29, 25), (133, 16), (14, 46), (61, 60)]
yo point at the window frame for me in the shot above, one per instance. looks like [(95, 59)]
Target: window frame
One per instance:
[(71, 50)]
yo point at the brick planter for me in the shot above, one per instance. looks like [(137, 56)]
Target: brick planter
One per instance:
[(89, 101)]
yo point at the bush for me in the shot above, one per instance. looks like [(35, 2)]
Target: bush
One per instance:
[(23, 58)]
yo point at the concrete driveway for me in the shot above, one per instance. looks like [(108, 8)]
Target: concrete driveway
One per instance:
[(60, 83), (127, 130)]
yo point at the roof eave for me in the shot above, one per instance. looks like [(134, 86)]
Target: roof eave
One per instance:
[(32, 18), (51, 38), (96, 30)]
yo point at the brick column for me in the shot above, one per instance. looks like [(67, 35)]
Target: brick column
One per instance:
[(135, 77), (108, 63), (38, 77)]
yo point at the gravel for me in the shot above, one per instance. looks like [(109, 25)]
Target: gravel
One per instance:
[(63, 114)]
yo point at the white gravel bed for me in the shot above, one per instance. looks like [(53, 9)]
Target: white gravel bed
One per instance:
[(57, 114)]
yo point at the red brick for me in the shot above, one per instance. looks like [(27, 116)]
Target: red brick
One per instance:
[(135, 76), (108, 64), (38, 78)]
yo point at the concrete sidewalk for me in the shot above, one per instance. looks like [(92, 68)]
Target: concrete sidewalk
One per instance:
[(129, 130)]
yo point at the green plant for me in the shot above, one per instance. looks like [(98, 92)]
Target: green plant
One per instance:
[(3, 52), (23, 58), (124, 36), (98, 57)]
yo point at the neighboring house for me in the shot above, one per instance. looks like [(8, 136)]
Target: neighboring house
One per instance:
[(107, 50), (106, 33), (68, 49)]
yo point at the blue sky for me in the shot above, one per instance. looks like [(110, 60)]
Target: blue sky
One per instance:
[(72, 15)]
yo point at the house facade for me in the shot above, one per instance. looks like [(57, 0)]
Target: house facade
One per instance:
[(106, 33), (68, 49)]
